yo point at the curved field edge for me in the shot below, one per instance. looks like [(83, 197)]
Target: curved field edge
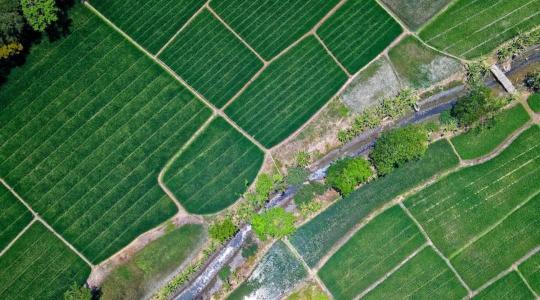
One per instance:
[(217, 167), (317, 237)]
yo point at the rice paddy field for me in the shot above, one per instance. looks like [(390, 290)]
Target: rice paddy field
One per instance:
[(287, 93), (530, 269), (471, 29), (510, 287), (14, 217), (534, 102), (315, 238), (208, 174), (39, 266), (358, 32), (416, 13), (477, 143)]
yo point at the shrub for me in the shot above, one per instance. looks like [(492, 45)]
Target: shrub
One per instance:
[(347, 173), (307, 192), (224, 273), (309, 208), (398, 146), (532, 81), (296, 176), (274, 223), (518, 45), (222, 231), (479, 102), (265, 185), (476, 72), (76, 292), (303, 159), (249, 249)]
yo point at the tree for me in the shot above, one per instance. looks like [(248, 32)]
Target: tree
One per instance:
[(11, 22), (398, 146), (222, 230), (479, 102), (76, 292), (40, 13), (345, 174), (275, 223)]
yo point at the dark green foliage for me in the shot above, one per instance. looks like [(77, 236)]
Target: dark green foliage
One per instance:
[(308, 192), (479, 142), (274, 223), (315, 238), (223, 230), (269, 26), (345, 174), (297, 175), (477, 104), (77, 292), (249, 249), (39, 266), (398, 146), (446, 118), (211, 173), (357, 32), (534, 102), (211, 59), (287, 93), (149, 23), (11, 21), (87, 138), (224, 273), (14, 216), (39, 13), (532, 80)]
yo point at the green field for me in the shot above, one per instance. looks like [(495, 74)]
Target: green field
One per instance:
[(211, 59), (531, 271), (214, 170), (501, 247), (415, 13), (278, 272), (419, 66), (156, 261), (89, 122), (463, 204), (534, 102), (314, 239), (475, 28), (270, 26), (39, 266), (287, 93), (510, 287), (13, 217), (476, 143), (149, 23), (425, 276), (358, 32), (372, 252)]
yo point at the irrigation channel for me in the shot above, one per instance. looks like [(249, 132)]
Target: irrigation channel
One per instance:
[(360, 145)]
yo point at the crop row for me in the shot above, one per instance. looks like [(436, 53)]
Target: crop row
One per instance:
[(40, 266), (211, 173)]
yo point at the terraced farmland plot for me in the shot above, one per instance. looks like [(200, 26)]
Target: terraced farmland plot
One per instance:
[(39, 266), (466, 203), (211, 59), (474, 28), (287, 93), (278, 273), (213, 171), (88, 126), (358, 32), (415, 13), (372, 252), (475, 143), (501, 247), (149, 23), (14, 217), (531, 271), (510, 287), (271, 26), (314, 239), (425, 276)]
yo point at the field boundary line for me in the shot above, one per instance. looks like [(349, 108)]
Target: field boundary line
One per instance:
[(392, 271), (394, 16), (332, 55), (513, 267), (180, 29), (493, 226), (312, 273), (526, 282), (37, 217), (177, 77), (426, 236), (6, 248), (435, 16), (461, 163), (441, 51), (220, 19)]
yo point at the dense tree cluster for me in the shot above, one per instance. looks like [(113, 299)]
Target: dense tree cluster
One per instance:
[(477, 104), (345, 174), (222, 230)]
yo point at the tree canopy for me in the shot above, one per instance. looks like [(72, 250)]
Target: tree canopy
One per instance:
[(345, 174), (40, 13), (275, 223), (222, 230)]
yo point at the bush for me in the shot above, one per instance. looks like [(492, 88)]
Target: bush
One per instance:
[(345, 174), (249, 249), (265, 185), (307, 192), (398, 146), (274, 223), (222, 231), (296, 176), (532, 81), (76, 292), (303, 159), (518, 45), (224, 273), (476, 72), (478, 103)]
